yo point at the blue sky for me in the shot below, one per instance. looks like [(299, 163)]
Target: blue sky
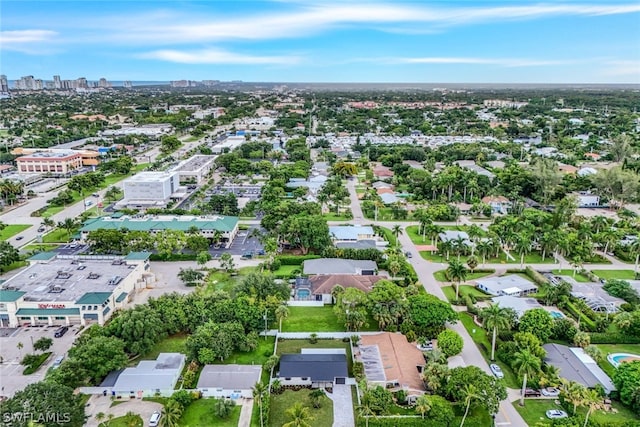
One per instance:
[(323, 41)]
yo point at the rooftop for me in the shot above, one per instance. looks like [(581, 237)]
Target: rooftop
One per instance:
[(350, 232), (510, 282), (69, 279), (519, 305), (325, 283), (163, 222), (238, 377), (50, 155), (575, 365), (595, 297), (194, 163), (159, 374), (337, 266), (318, 367), (150, 176)]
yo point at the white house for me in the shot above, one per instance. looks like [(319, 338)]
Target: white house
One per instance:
[(499, 204), (149, 378), (510, 284), (229, 381), (587, 199)]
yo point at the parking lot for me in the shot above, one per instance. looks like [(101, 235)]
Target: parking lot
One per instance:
[(242, 244), (11, 378), (72, 249)]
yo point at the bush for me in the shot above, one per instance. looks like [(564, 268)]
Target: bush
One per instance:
[(32, 362), (450, 342), (275, 265), (295, 259), (537, 278)]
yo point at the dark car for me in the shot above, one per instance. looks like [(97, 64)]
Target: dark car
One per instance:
[(529, 392), (60, 331), (19, 237)]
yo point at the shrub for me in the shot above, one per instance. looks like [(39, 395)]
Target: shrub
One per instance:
[(613, 338), (537, 278), (450, 342), (295, 259)]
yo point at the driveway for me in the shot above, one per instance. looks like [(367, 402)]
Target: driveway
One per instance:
[(342, 406), (99, 403)]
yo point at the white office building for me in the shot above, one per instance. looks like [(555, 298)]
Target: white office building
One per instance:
[(150, 189)]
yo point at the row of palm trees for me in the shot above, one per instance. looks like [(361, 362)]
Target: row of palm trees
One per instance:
[(10, 190)]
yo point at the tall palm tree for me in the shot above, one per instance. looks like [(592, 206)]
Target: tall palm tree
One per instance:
[(171, 414), (484, 248), (396, 230), (526, 364), (592, 400), (522, 247), (495, 318), (282, 312), (573, 393), (457, 272), (259, 390), (470, 393), (300, 416), (634, 249), (423, 405), (365, 411), (68, 224)]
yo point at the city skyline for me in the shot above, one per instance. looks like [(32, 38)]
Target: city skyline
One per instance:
[(285, 41)]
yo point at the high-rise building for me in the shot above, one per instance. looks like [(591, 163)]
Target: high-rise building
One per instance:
[(81, 83), (127, 84), (57, 83), (4, 84), (103, 83)]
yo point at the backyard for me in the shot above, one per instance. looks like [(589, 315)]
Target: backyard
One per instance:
[(450, 292), (607, 349), (11, 230), (219, 280), (318, 319), (201, 413), (534, 410), (280, 403)]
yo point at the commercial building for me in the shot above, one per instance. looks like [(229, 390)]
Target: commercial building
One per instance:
[(72, 289), (152, 131), (229, 144), (59, 162), (226, 227), (195, 169), (89, 157), (149, 189), (229, 381)]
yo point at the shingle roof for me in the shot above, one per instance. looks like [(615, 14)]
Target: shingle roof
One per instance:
[(237, 377), (575, 365), (318, 367), (324, 284), (337, 266)]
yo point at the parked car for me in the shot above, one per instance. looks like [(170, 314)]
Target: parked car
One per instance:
[(61, 331), (57, 362), (41, 229), (95, 195), (425, 346), (408, 254), (19, 237), (496, 370), (556, 413), (550, 392), (155, 419), (529, 392)]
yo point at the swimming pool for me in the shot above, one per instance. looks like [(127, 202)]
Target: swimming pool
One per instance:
[(303, 293), (556, 314), (617, 358)]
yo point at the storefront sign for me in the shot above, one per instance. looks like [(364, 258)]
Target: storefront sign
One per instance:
[(51, 306)]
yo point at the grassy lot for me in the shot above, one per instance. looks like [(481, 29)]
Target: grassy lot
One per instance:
[(57, 235), (11, 230), (201, 413), (124, 421), (615, 274), (322, 417), (568, 272), (222, 281), (13, 266), (483, 342), (388, 236), (318, 319), (255, 357), (332, 216), (52, 210), (615, 348), (287, 270), (172, 344), (534, 412), (450, 292), (442, 277), (532, 258)]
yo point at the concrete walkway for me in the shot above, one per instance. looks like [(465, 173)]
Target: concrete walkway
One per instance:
[(342, 406), (245, 413)]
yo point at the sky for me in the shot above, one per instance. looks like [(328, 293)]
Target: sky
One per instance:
[(470, 41)]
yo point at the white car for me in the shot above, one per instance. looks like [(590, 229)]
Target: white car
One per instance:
[(425, 346), (496, 370), (550, 392), (154, 420), (556, 413)]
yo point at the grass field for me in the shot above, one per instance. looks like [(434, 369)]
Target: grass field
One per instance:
[(201, 413), (11, 230), (388, 236), (317, 319), (13, 266), (124, 421), (287, 270), (532, 258), (222, 281), (412, 232), (615, 274), (57, 235), (442, 277), (450, 291), (280, 403), (172, 344), (534, 410), (332, 216), (39, 247), (568, 272)]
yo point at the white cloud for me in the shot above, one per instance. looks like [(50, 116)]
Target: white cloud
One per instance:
[(623, 68), (503, 62), (25, 40), (217, 56)]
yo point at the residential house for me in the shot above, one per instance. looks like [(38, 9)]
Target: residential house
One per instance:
[(586, 199), (510, 284), (324, 266), (382, 172), (317, 368), (596, 298), (567, 169), (393, 363), (499, 204), (519, 305), (351, 233), (149, 378), (381, 184), (576, 365), (229, 381), (319, 288), (453, 236), (389, 198)]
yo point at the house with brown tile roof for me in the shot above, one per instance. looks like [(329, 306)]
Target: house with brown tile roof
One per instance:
[(567, 169), (382, 172), (392, 362), (321, 286)]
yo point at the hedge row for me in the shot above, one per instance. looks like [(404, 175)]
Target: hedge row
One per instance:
[(613, 338), (295, 259), (580, 316), (173, 257), (537, 278)]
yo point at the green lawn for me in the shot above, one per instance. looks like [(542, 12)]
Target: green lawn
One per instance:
[(223, 281), (312, 319), (532, 258), (39, 247), (332, 216), (388, 236), (124, 421), (255, 357), (201, 413), (57, 235), (412, 232), (442, 277), (13, 266), (615, 348), (52, 210), (483, 342), (172, 344), (450, 292), (280, 403), (568, 272), (11, 230), (534, 412), (615, 274), (287, 270)]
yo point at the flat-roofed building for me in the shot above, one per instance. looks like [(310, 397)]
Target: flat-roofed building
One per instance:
[(58, 162), (510, 284), (195, 169), (72, 289), (150, 189)]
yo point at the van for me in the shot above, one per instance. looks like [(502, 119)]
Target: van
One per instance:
[(61, 331), (154, 420)]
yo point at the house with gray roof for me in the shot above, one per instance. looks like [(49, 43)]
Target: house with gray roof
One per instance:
[(389, 198), (519, 305), (351, 233), (454, 235), (317, 368), (576, 365), (323, 266), (149, 378), (229, 381), (511, 284)]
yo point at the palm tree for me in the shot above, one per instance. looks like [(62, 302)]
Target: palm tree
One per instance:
[(69, 224), (300, 416), (523, 247), (282, 312), (100, 416), (573, 393), (484, 248), (495, 318), (171, 414), (472, 263), (470, 392), (423, 405), (49, 223), (365, 411), (591, 399), (527, 365), (259, 390), (110, 418), (396, 230), (456, 272)]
